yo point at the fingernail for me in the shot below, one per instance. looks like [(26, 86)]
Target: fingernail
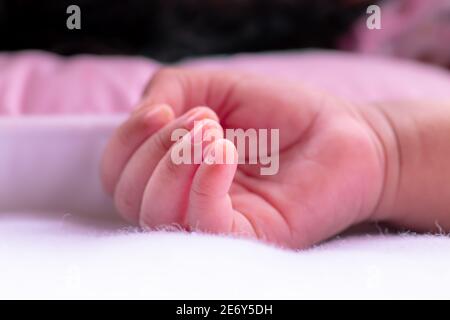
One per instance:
[(197, 115), (190, 121), (195, 135), (206, 131)]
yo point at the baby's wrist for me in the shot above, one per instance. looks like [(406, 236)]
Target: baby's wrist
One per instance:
[(385, 137), (415, 139)]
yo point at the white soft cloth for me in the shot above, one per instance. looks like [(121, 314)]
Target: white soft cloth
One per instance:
[(66, 257), (78, 248)]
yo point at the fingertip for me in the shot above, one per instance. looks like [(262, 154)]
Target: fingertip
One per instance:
[(210, 207), (197, 114), (210, 112), (216, 173), (220, 152)]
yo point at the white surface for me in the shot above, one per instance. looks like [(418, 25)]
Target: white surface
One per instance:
[(56, 258), (59, 238)]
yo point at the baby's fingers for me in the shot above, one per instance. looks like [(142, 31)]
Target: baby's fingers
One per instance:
[(210, 206), (166, 195), (127, 139), (134, 178)]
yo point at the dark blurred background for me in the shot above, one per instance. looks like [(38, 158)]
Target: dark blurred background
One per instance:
[(169, 30)]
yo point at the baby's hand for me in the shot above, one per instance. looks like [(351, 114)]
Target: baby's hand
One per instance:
[(331, 162)]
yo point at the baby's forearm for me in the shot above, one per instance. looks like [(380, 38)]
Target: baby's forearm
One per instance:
[(416, 142)]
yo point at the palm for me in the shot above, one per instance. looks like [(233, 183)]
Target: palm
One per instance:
[(325, 184)]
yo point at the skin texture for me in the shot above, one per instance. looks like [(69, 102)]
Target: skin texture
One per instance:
[(339, 162), (416, 137)]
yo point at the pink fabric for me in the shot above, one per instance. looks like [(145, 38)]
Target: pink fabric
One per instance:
[(42, 83), (418, 29)]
